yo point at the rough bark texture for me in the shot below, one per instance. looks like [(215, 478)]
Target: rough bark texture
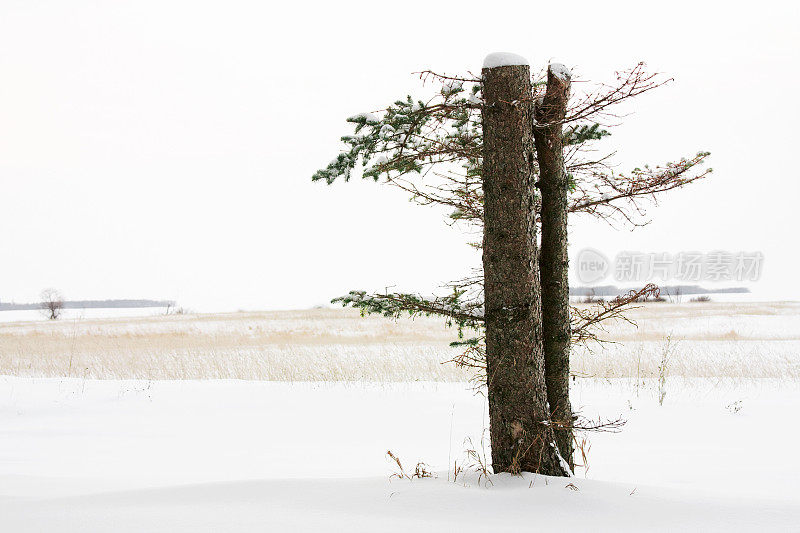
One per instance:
[(554, 261), (515, 363)]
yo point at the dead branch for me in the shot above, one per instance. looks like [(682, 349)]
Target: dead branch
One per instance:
[(586, 321)]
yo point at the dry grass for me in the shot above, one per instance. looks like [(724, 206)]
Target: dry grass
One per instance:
[(706, 340), (313, 345), (743, 340)]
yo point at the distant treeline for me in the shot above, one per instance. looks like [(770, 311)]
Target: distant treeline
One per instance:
[(91, 304), (666, 290)]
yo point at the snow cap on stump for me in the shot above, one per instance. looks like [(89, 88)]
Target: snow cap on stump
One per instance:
[(560, 71), (504, 59)]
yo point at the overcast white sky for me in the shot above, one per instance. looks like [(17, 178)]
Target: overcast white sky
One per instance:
[(164, 148)]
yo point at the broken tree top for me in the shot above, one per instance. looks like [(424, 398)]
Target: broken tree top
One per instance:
[(560, 71), (503, 59)]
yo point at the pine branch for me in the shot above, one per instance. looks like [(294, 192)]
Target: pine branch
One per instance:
[(583, 133), (393, 305)]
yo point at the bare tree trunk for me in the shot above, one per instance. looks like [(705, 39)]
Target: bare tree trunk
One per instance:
[(515, 363), (554, 261)]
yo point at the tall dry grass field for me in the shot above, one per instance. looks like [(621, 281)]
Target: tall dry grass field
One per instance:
[(708, 340)]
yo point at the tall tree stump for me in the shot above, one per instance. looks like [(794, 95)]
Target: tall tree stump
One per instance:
[(554, 261), (521, 438)]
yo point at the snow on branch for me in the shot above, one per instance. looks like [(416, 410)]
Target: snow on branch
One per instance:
[(413, 135)]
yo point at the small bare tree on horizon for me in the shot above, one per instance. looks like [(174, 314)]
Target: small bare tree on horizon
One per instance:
[(52, 303)]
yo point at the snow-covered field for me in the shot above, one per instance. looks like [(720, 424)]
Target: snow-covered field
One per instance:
[(307, 450)]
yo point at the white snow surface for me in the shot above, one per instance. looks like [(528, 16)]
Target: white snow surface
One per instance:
[(371, 118), (195, 456), (503, 59), (560, 71)]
